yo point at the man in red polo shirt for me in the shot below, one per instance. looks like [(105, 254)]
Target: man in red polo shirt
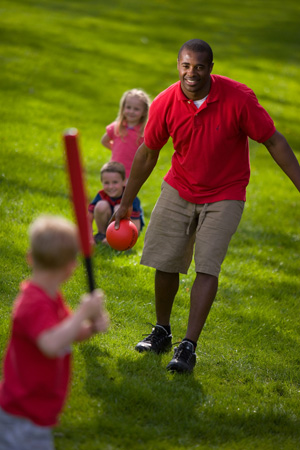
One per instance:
[(209, 118)]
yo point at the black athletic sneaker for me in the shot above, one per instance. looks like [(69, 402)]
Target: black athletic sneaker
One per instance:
[(159, 341), (184, 358), (99, 237)]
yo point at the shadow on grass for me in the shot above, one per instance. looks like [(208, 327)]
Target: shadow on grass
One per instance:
[(274, 250), (46, 178), (141, 397), (142, 406)]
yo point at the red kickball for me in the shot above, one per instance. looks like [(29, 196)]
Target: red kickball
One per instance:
[(124, 238)]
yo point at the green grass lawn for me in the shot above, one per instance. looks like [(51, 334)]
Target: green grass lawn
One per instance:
[(66, 63)]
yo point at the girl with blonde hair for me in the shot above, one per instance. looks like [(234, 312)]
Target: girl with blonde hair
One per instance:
[(124, 136)]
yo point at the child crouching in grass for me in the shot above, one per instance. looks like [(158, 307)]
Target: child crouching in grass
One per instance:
[(36, 369), (108, 199)]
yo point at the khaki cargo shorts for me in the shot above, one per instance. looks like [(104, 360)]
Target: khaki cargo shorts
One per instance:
[(177, 226)]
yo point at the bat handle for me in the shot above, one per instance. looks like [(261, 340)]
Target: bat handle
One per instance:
[(89, 269)]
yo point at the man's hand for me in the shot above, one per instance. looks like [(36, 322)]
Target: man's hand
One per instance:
[(121, 213)]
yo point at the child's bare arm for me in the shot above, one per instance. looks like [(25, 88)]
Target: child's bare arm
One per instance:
[(106, 141), (54, 341)]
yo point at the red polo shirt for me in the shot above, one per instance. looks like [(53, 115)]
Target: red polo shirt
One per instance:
[(211, 158), (33, 385)]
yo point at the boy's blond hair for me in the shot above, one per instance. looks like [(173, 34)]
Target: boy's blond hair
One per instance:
[(113, 167), (53, 242)]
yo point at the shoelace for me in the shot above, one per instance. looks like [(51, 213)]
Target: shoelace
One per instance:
[(154, 336), (182, 351)]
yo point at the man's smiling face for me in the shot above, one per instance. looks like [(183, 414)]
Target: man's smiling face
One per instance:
[(194, 73)]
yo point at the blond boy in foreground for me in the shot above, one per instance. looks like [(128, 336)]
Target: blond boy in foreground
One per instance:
[(36, 367)]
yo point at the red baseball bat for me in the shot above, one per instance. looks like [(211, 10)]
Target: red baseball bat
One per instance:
[(78, 196)]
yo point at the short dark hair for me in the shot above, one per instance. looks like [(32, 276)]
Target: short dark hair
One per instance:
[(113, 167), (197, 45)]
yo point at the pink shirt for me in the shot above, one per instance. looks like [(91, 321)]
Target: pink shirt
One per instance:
[(33, 385), (211, 158), (124, 148)]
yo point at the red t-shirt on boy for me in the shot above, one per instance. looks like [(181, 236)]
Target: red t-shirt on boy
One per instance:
[(34, 386), (211, 158)]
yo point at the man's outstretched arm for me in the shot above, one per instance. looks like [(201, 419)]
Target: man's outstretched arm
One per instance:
[(144, 162), (284, 157)]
